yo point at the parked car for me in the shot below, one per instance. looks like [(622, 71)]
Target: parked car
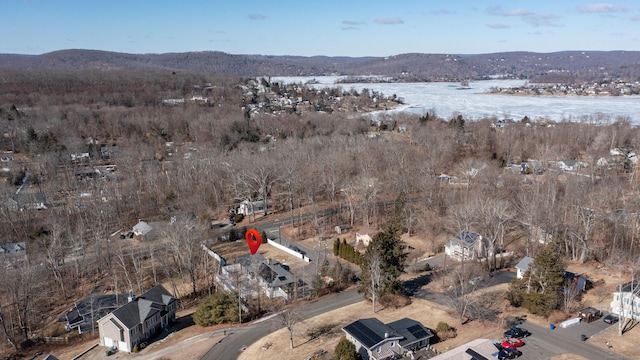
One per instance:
[(512, 343), (297, 249), (509, 353), (611, 319), (506, 353), (516, 332)]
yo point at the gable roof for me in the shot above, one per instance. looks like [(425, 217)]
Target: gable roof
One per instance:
[(370, 332), (275, 274), (524, 263), (412, 331), (143, 307), (466, 238)]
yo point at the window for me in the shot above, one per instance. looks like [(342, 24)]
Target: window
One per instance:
[(379, 349), (393, 344)]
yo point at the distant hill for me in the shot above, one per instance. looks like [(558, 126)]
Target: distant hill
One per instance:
[(564, 66)]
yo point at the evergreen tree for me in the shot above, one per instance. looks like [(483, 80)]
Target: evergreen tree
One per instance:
[(540, 289), (391, 249), (336, 247), (217, 309), (346, 350)]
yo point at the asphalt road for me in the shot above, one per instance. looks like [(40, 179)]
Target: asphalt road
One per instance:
[(545, 343), (238, 339)]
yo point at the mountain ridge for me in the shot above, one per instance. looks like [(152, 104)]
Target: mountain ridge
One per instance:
[(586, 65)]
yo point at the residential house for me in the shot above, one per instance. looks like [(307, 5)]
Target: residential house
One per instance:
[(375, 340), (11, 254), (626, 301), (26, 201), (523, 266), (148, 231), (574, 282), (365, 239), (468, 245), (271, 278), (84, 314), (138, 320), (247, 207)]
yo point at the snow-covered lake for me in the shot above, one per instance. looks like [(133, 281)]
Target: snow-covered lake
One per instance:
[(446, 100)]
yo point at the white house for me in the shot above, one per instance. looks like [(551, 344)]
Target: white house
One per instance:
[(523, 266), (365, 239), (626, 301), (247, 207), (468, 245)]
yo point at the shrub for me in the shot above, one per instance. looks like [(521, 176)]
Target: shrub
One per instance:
[(238, 218), (443, 327), (136, 348), (444, 331), (394, 300)]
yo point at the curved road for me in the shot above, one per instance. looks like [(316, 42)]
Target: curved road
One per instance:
[(240, 338)]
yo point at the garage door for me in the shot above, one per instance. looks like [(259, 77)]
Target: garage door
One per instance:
[(108, 342), (123, 346)]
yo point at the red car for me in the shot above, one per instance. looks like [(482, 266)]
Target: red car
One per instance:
[(512, 343)]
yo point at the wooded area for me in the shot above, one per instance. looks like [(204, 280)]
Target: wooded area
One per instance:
[(189, 163)]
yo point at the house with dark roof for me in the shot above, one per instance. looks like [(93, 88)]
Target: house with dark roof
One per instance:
[(468, 245), (84, 314), (26, 201), (375, 340), (138, 319)]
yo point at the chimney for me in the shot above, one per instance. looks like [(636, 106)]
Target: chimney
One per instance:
[(131, 296), (386, 335)]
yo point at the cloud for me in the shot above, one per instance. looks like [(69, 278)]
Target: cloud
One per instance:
[(530, 17), (442, 12), (347, 28), (389, 21), (351, 23), (498, 26), (256, 17), (602, 8), (635, 18)]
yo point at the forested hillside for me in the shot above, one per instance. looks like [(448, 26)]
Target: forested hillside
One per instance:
[(108, 148), (558, 67)]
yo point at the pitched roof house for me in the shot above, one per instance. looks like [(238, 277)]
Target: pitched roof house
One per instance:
[(626, 301), (468, 245), (273, 278), (13, 253), (138, 320), (26, 201), (375, 340), (523, 266)]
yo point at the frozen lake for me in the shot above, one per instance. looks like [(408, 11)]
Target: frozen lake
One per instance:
[(446, 100)]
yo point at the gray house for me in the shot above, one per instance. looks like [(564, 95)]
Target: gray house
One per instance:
[(26, 201), (138, 320), (375, 340)]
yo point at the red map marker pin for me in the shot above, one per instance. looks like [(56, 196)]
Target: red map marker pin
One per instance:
[(254, 240)]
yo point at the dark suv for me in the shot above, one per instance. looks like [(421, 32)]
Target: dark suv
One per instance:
[(516, 332), (506, 353)]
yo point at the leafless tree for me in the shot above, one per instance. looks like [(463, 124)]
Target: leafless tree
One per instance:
[(289, 319)]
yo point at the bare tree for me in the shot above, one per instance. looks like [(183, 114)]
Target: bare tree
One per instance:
[(289, 319), (374, 265)]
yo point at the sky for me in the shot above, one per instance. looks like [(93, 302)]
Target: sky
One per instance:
[(319, 27)]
